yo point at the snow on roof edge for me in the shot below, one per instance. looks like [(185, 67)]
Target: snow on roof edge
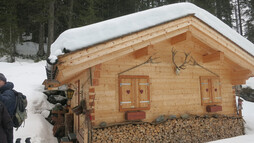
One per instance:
[(105, 40), (230, 39), (74, 39)]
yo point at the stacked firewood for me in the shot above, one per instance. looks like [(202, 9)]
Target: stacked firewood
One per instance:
[(192, 129)]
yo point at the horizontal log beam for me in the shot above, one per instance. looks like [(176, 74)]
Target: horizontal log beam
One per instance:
[(241, 75), (217, 56), (238, 82), (178, 38), (142, 52), (242, 72)]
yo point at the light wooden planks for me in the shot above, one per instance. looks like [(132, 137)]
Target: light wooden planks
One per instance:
[(171, 25), (69, 71), (219, 42), (170, 94), (141, 52), (217, 56), (178, 38)]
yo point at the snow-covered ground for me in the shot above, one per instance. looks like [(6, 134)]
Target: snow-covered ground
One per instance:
[(28, 76), (29, 48)]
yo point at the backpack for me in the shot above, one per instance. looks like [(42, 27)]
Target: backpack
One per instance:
[(20, 113)]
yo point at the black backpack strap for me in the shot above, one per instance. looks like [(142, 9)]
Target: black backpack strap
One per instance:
[(16, 101)]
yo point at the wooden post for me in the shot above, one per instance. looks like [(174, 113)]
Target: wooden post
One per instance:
[(240, 113), (68, 123), (240, 106)]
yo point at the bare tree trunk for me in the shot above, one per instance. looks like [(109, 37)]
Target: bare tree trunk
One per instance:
[(41, 52), (70, 14), (12, 47), (148, 4), (236, 17), (240, 18), (51, 25), (13, 53)]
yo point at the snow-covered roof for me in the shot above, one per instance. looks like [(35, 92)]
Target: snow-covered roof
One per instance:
[(82, 37)]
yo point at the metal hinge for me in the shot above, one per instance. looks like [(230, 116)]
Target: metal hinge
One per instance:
[(144, 101), (125, 102), (206, 98), (121, 84), (144, 84), (204, 83)]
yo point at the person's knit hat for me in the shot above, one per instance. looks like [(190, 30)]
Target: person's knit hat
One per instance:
[(2, 77)]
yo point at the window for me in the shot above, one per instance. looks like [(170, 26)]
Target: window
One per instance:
[(134, 93), (210, 90)]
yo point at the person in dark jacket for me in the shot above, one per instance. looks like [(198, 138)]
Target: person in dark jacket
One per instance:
[(8, 98), (6, 135), (7, 95)]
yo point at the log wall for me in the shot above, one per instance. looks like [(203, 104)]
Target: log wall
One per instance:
[(170, 93), (81, 84)]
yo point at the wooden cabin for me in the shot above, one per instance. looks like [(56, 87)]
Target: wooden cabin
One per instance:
[(182, 66)]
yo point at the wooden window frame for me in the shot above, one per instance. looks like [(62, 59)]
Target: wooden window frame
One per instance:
[(120, 92), (210, 87)]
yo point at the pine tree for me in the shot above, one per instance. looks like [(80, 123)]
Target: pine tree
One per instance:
[(224, 11), (249, 26), (70, 14), (9, 27), (38, 19), (51, 20)]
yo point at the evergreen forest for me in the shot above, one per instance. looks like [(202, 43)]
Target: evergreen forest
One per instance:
[(41, 21)]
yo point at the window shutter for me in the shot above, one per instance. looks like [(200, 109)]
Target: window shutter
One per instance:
[(216, 90), (134, 93), (126, 93), (205, 90), (143, 93)]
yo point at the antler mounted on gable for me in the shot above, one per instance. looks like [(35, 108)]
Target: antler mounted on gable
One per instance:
[(184, 64), (187, 60)]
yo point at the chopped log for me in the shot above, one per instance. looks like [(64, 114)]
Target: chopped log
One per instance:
[(191, 129)]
